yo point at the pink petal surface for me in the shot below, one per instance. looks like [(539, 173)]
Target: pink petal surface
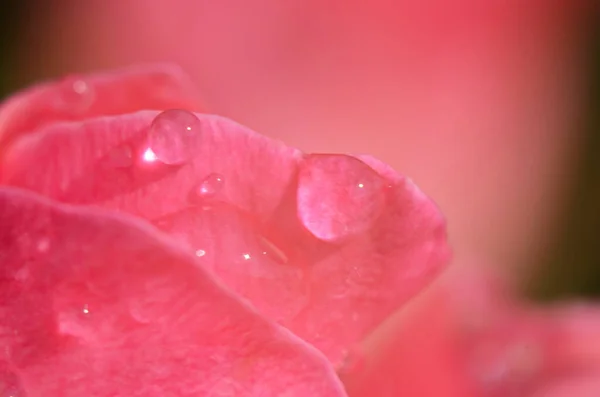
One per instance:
[(109, 93), (102, 305), (254, 227), (469, 337)]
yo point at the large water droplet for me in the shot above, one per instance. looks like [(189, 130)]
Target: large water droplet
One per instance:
[(338, 196), (75, 94), (174, 136)]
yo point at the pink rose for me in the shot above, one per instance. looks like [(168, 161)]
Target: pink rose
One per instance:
[(470, 336), (158, 252)]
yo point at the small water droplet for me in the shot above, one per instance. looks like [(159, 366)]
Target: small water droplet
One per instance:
[(76, 94), (231, 244), (174, 136), (338, 196), (211, 185)]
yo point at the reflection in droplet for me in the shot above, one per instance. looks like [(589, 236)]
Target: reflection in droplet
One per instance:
[(338, 196), (174, 136)]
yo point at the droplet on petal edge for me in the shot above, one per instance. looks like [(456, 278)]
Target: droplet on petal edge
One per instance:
[(174, 137), (338, 196)]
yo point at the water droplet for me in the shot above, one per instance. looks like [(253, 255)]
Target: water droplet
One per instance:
[(211, 185), (174, 136), (76, 94), (338, 196), (230, 244)]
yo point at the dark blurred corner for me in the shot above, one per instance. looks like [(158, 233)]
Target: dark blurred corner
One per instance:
[(572, 265), (570, 268), (13, 20)]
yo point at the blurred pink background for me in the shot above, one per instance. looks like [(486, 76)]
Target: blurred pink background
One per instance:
[(477, 101)]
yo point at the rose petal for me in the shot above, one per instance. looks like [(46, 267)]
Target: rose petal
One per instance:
[(330, 290), (97, 304), (577, 327), (413, 354), (576, 386), (109, 93), (470, 336)]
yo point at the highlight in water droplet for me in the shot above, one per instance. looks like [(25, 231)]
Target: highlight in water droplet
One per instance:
[(174, 136), (211, 185), (149, 156), (338, 196)]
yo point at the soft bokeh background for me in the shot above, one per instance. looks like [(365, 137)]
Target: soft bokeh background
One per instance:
[(491, 107)]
